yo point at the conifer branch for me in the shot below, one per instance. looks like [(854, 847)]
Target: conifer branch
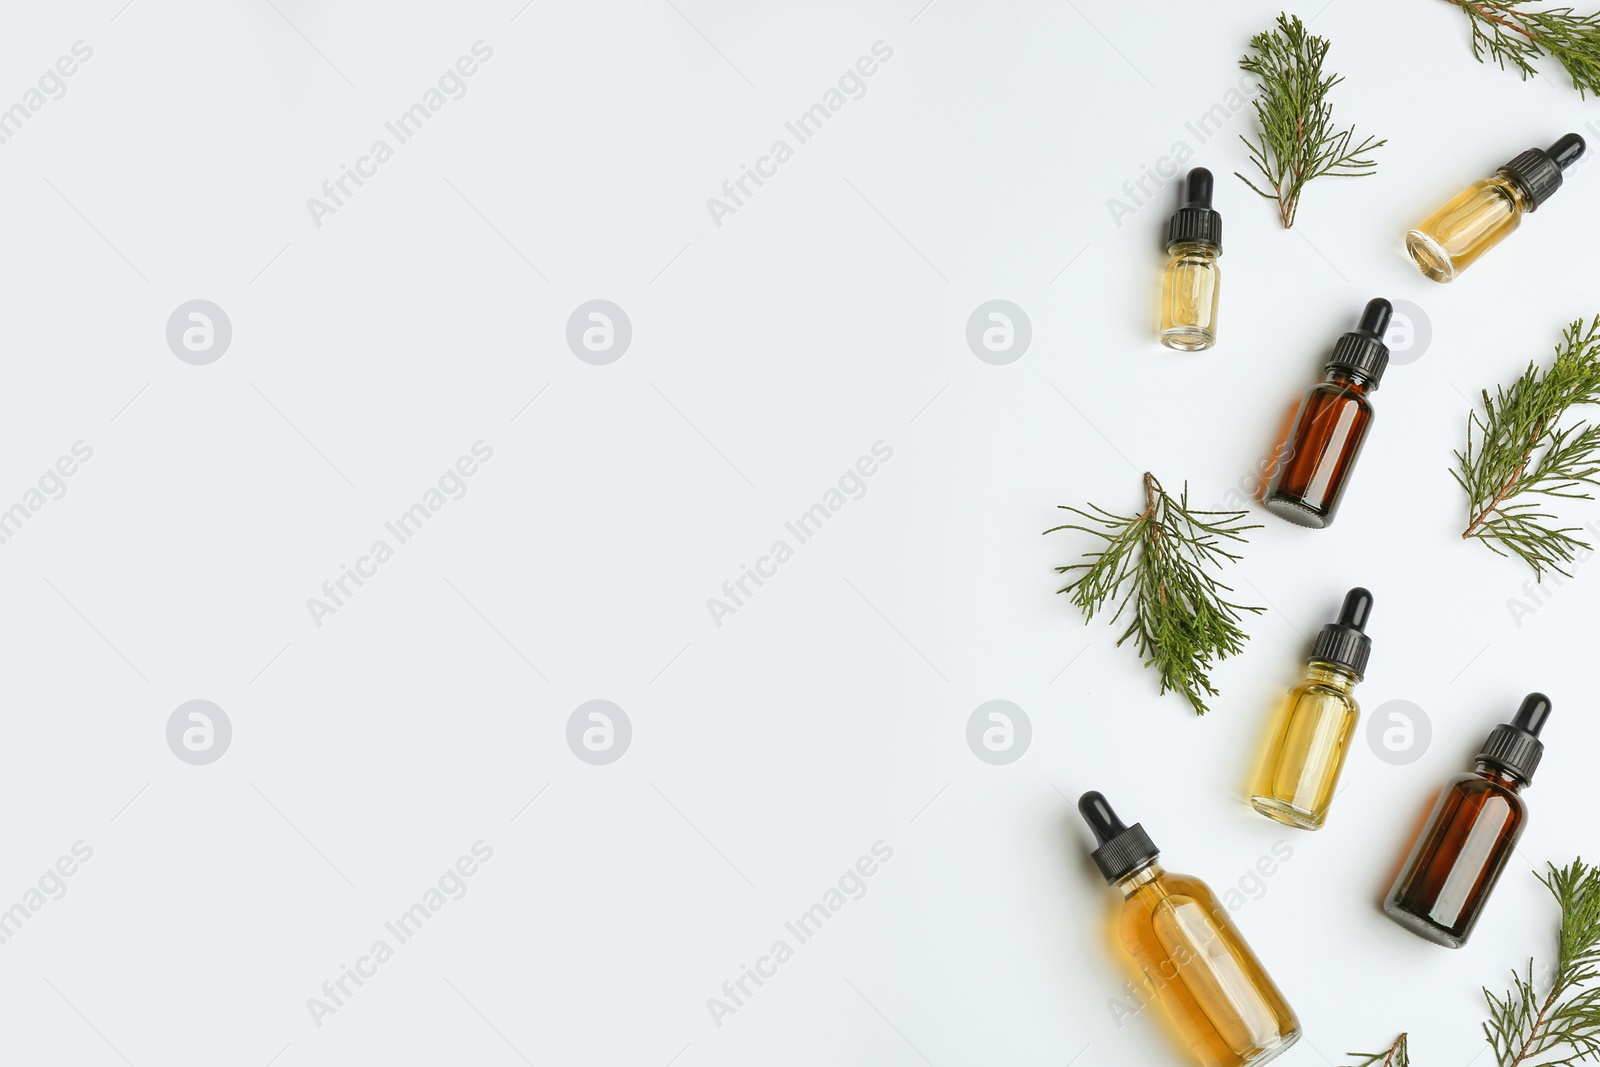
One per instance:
[(1520, 447), (1514, 33), (1156, 566), (1298, 141), (1396, 1055)]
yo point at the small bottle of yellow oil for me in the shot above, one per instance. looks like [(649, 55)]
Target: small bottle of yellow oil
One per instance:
[(1312, 728), (1187, 952), (1484, 214), (1191, 283)]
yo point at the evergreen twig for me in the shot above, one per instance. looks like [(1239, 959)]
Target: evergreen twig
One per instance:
[(1298, 141), (1519, 447), (1514, 33), (1396, 1055), (1155, 565), (1561, 1027)]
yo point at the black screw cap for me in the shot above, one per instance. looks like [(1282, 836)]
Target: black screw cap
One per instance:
[(1123, 849), (1195, 221), (1344, 643), (1362, 351), (1515, 746)]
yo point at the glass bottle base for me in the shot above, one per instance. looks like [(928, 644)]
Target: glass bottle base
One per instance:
[(1430, 257), (1422, 927), (1188, 338), (1291, 509), (1272, 1052), (1286, 813)]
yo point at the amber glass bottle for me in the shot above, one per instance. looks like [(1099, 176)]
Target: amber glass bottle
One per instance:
[(1482, 215), (1191, 283), (1188, 954), (1460, 853), (1328, 431), (1312, 729)]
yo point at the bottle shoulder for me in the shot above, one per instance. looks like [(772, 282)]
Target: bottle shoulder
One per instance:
[(1481, 788), (1332, 393)]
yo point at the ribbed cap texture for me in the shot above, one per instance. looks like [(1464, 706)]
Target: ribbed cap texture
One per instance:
[(1537, 173), (1125, 853), (1343, 647), (1516, 750), (1360, 354), (1201, 224)]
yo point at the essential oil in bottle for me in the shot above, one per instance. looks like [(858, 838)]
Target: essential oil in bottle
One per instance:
[(1480, 216), (1311, 732), (1189, 955), (1190, 284), (1316, 459), (1472, 831)]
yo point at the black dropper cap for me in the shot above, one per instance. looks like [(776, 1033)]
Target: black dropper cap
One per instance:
[(1538, 170), (1343, 643), (1195, 220), (1362, 351), (1515, 745), (1123, 849)]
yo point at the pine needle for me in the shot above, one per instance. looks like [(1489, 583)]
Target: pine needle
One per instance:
[(1565, 1022), (1515, 33), (1155, 565), (1298, 141), (1396, 1055), (1519, 447)]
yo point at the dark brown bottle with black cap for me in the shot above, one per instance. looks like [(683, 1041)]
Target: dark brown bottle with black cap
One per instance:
[(1475, 825), (1482, 215), (1316, 458)]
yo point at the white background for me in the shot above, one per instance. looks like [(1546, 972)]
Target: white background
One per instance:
[(768, 354)]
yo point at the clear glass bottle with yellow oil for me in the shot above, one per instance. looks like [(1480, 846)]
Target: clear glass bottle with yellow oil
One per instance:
[(1312, 727), (1484, 214), (1217, 998), (1191, 283)]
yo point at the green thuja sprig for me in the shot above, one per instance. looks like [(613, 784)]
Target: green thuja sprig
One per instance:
[(1561, 1026), (1521, 453), (1396, 1055), (1155, 566), (1298, 141), (1514, 34)]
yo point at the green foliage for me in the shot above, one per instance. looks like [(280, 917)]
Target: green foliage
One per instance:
[(1561, 1027), (1396, 1055), (1514, 33), (1525, 1027), (1519, 448), (1156, 566), (1298, 141)]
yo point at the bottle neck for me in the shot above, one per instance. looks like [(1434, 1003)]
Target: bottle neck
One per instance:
[(1332, 675), (1136, 881), (1499, 775), (1193, 248), (1352, 380), (1514, 189)]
